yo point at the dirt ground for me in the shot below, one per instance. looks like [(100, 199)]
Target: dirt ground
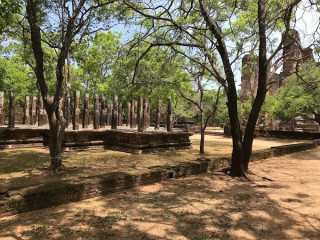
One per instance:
[(26, 167), (281, 202)]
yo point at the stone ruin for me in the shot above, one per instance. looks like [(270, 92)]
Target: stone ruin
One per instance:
[(293, 54), (108, 131)]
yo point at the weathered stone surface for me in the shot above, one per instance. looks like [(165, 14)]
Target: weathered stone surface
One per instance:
[(157, 117), (33, 119), (26, 117), (76, 110), (132, 115), (109, 114), (145, 114), (96, 114), (67, 109), (85, 112), (128, 122), (120, 119), (169, 116), (103, 114), (114, 120), (140, 115), (11, 110), (42, 116)]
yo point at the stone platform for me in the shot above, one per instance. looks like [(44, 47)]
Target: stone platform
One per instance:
[(123, 139)]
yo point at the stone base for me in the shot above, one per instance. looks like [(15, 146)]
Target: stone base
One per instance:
[(81, 140)]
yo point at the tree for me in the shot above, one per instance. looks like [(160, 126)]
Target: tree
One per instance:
[(75, 19), (7, 10), (298, 96), (214, 35)]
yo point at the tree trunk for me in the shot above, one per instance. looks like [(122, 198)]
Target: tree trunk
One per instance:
[(202, 134), (57, 128)]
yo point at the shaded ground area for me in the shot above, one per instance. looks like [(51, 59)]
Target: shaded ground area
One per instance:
[(208, 206), (26, 167)]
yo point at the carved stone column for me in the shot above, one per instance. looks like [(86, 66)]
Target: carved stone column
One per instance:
[(132, 120), (120, 120), (76, 110), (96, 116), (26, 116), (145, 114), (33, 120), (109, 113), (128, 122), (11, 110), (67, 110), (85, 112), (157, 117), (140, 114), (103, 114), (169, 116), (114, 121)]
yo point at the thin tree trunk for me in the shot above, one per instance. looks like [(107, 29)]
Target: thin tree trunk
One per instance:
[(202, 134)]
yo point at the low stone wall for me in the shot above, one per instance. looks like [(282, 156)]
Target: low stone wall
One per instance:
[(52, 194), (21, 138), (290, 134)]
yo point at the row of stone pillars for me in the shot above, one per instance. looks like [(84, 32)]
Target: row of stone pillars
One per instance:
[(139, 113)]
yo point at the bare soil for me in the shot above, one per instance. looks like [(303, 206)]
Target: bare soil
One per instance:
[(281, 202), (27, 167)]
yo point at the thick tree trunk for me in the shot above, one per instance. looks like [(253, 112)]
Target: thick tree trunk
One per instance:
[(57, 128)]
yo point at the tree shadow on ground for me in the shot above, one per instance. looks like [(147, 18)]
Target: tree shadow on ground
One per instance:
[(200, 207)]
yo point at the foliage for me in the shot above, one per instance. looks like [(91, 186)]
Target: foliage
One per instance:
[(298, 96)]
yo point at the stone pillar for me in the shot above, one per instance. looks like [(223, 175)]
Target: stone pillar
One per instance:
[(11, 110), (42, 117), (67, 110), (120, 120), (76, 110), (33, 120), (132, 114), (128, 122), (96, 115), (114, 120), (169, 116), (157, 118), (85, 112), (140, 114), (149, 115), (1, 107), (145, 114), (103, 114), (109, 114), (26, 117)]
